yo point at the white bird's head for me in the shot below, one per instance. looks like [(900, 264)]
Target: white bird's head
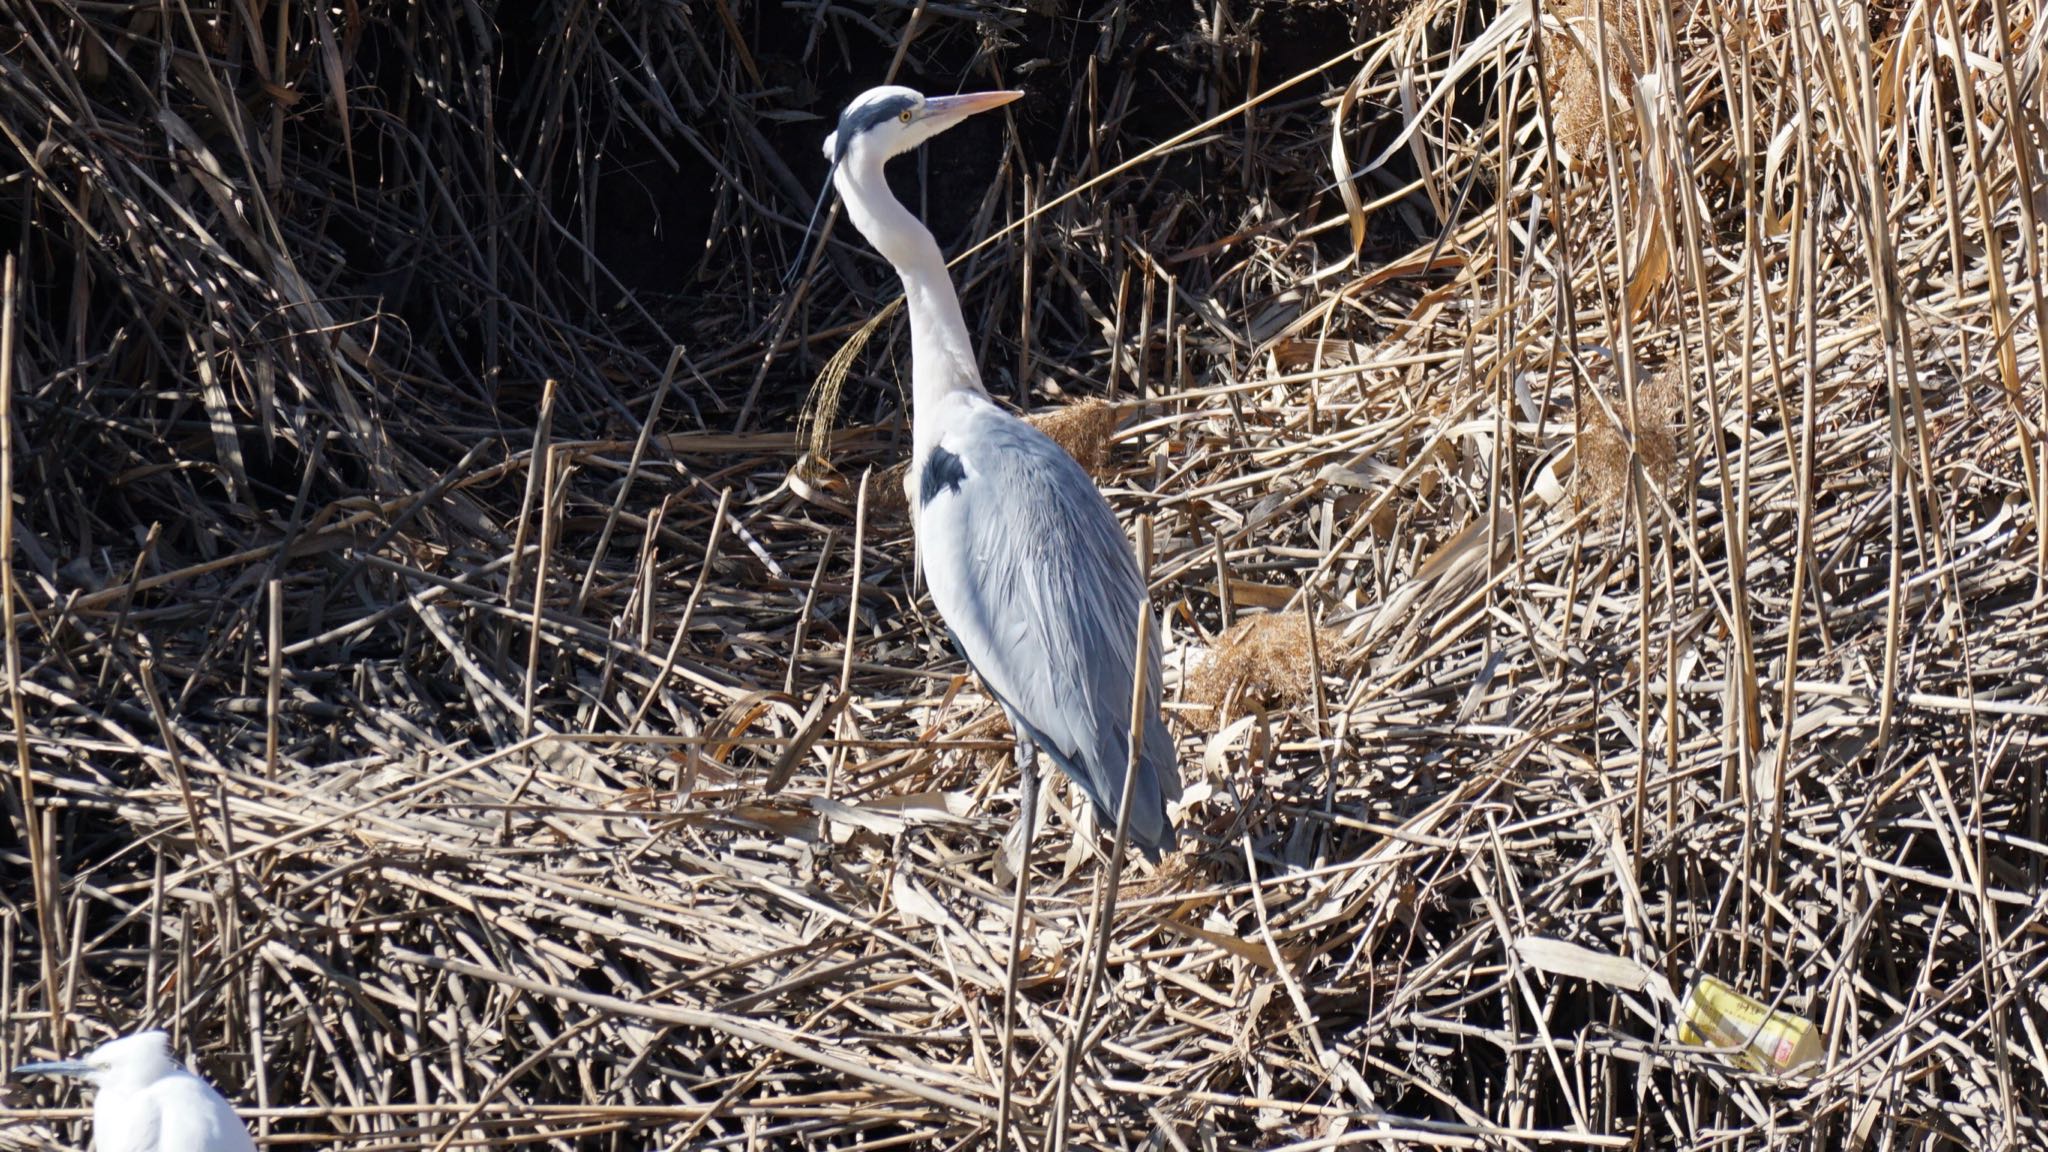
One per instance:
[(132, 1062), (891, 120)]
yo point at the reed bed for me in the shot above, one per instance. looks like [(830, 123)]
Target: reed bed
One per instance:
[(1597, 482)]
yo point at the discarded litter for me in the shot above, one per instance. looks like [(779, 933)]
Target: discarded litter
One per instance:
[(1710, 1014), (1764, 1041)]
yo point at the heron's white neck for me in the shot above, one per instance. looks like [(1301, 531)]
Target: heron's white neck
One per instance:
[(941, 357)]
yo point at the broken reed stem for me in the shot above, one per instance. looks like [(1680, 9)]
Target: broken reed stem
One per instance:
[(535, 482), (43, 870), (1027, 305), (548, 463), (860, 549), (1104, 919), (146, 674), (273, 691), (675, 643), (611, 520), (547, 457)]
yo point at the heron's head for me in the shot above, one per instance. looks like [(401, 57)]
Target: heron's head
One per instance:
[(881, 123), (891, 120), (130, 1062)]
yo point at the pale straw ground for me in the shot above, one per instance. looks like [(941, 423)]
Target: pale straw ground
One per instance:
[(1626, 536)]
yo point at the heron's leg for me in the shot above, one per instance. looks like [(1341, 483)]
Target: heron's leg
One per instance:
[(1017, 842), (1017, 851)]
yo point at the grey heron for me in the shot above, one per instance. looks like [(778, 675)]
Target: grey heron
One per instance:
[(146, 1101), (1025, 562)]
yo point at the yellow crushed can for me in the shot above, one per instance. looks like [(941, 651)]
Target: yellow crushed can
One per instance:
[(1764, 1041)]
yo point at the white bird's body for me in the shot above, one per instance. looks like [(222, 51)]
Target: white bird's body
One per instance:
[(146, 1101), (1025, 561)]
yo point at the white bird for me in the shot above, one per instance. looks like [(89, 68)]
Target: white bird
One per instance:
[(1025, 561), (145, 1101)]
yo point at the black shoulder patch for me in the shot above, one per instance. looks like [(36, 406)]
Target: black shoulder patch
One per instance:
[(860, 117), (942, 470)]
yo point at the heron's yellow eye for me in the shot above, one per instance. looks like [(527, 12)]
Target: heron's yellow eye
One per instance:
[(905, 117)]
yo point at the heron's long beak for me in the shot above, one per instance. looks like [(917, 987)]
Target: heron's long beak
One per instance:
[(55, 1068), (945, 111)]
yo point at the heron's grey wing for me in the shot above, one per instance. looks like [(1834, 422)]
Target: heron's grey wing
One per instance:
[(195, 1118), (1035, 578)]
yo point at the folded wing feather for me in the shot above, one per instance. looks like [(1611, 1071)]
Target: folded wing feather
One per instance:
[(1035, 579)]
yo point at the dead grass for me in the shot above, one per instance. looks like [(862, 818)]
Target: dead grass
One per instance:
[(454, 760), (1264, 661), (1652, 431), (1572, 53), (1084, 429)]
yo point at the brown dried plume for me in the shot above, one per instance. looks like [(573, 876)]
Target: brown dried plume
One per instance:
[(1601, 478), (1263, 661), (1575, 81), (1083, 429)]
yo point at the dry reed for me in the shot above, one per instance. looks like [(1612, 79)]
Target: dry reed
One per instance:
[(1265, 661), (576, 794)]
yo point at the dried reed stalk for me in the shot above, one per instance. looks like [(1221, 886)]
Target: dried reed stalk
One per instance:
[(1766, 703)]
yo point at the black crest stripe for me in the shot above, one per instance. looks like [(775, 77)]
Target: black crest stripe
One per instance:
[(861, 117)]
